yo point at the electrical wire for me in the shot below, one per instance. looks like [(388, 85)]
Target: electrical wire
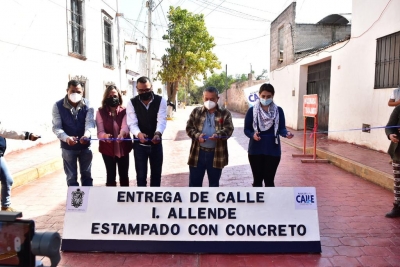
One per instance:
[(229, 11), (245, 40), (215, 8)]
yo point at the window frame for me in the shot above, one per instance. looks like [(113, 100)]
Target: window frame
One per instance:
[(76, 29), (281, 41), (387, 61), (108, 45)]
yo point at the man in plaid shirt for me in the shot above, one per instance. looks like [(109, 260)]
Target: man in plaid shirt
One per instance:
[(209, 127)]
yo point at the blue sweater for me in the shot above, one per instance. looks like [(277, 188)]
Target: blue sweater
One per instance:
[(267, 145)]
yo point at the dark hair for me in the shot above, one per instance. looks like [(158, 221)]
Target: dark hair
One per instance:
[(74, 83), (211, 89), (267, 87), (107, 92), (143, 79)]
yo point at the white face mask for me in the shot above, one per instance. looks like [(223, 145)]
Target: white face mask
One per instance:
[(75, 97), (209, 104)]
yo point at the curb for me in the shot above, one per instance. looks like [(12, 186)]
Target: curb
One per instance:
[(33, 173), (380, 178)]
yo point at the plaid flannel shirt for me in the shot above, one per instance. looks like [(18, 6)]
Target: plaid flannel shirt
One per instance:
[(224, 128)]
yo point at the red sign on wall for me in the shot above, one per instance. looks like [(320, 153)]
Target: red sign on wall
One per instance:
[(310, 105)]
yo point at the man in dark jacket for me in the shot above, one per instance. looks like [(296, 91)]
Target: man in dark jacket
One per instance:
[(73, 123), (5, 176), (147, 118)]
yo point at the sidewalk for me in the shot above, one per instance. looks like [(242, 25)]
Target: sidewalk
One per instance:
[(353, 229)]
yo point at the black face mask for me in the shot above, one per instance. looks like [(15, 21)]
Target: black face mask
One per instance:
[(112, 102), (145, 96)]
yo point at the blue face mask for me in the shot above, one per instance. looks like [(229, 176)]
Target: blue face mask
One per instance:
[(265, 102)]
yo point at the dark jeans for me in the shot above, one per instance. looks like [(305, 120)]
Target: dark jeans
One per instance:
[(205, 163), (111, 167), (70, 159), (264, 169), (143, 154)]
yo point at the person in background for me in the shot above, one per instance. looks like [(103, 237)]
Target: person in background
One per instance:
[(394, 98), (112, 128), (73, 123), (209, 127), (5, 176), (392, 133), (263, 124), (147, 119)]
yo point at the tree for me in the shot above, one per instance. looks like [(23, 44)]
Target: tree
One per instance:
[(218, 81), (240, 77), (190, 52), (262, 76)]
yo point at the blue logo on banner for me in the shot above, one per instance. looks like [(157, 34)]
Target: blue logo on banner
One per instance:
[(253, 97), (306, 198)]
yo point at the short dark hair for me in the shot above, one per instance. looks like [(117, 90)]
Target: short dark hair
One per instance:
[(211, 89), (143, 79), (74, 83), (267, 87)]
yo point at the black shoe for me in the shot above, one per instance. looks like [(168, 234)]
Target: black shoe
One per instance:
[(394, 213)]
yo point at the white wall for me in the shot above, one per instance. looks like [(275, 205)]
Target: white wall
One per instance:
[(36, 67), (353, 99)]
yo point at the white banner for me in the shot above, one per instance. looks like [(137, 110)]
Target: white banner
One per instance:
[(191, 214), (251, 94)]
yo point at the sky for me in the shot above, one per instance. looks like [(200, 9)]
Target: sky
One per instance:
[(240, 28)]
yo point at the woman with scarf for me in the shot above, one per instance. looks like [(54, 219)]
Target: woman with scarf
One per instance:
[(111, 130), (263, 124)]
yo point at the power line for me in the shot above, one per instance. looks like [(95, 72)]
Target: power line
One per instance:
[(245, 40), (215, 8), (274, 13), (229, 11)]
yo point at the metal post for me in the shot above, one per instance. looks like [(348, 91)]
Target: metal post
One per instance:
[(150, 5), (226, 85)]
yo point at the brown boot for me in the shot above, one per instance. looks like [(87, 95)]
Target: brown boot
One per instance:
[(8, 209), (394, 213)]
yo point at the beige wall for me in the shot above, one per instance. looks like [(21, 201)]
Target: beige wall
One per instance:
[(236, 99)]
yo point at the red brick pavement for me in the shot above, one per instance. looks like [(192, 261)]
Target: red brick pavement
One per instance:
[(354, 231)]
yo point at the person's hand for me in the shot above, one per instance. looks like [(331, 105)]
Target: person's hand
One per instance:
[(256, 136), (142, 137), (393, 138), (202, 138), (214, 137), (107, 137), (84, 140), (121, 137), (72, 140), (33, 137), (156, 139), (289, 135)]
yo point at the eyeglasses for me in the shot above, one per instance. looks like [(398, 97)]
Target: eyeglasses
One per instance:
[(112, 96), (144, 90)]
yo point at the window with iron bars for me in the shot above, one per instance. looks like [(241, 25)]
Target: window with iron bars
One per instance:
[(387, 65), (108, 46), (76, 30)]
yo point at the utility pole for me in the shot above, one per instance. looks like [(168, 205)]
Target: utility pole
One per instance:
[(226, 85), (149, 5)]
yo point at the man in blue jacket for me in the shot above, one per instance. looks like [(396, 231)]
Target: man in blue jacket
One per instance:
[(73, 123)]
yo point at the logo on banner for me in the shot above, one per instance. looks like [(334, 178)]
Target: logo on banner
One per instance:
[(305, 198), (77, 199), (251, 95)]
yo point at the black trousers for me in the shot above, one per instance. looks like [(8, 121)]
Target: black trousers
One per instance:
[(264, 169), (111, 168)]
